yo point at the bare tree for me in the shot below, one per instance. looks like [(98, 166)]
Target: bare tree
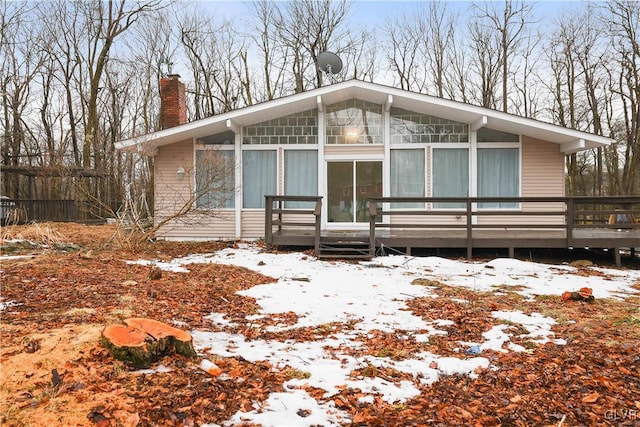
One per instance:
[(437, 33), (104, 23), (403, 51), (308, 27), (486, 61), (509, 24), (622, 19), (20, 65), (214, 53), (272, 53)]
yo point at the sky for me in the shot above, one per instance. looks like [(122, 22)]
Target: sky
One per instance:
[(373, 13), (376, 300)]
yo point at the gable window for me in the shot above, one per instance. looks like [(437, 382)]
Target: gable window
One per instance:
[(300, 176), (450, 175), (222, 138), (215, 179), (259, 168), (408, 127), (299, 128), (354, 122), (492, 135)]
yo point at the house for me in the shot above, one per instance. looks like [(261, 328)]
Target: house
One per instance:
[(346, 142)]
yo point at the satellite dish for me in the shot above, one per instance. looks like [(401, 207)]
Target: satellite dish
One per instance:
[(329, 63)]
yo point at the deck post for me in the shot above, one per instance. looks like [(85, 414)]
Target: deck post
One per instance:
[(569, 218), (373, 209), (317, 212), (469, 229), (268, 221), (616, 256)]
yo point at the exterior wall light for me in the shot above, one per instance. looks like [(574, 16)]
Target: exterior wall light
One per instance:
[(180, 173)]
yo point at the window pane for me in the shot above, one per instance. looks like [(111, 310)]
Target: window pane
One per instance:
[(354, 122), (300, 176), (407, 176), (215, 179), (340, 191), (450, 175), (411, 127), (498, 175), (258, 177), (491, 135), (299, 128), (224, 138), (368, 184)]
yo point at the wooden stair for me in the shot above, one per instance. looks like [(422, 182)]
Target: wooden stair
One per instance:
[(344, 248)]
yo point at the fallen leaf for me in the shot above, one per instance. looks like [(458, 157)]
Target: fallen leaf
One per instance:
[(591, 398)]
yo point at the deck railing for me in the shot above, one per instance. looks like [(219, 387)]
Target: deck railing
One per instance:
[(569, 213), (277, 205)]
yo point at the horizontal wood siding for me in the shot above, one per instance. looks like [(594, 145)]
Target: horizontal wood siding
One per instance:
[(173, 193), (253, 224), (170, 192), (542, 176), (213, 225), (355, 149)]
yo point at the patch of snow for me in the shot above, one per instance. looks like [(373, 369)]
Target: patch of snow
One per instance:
[(6, 304), (373, 296), (159, 369), (218, 319), (295, 408)]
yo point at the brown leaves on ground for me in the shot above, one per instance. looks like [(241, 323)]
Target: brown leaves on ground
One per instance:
[(63, 300)]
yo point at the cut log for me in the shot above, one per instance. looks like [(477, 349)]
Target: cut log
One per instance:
[(165, 334), (584, 294), (143, 341)]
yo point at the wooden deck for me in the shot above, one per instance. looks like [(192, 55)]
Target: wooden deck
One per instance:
[(578, 223)]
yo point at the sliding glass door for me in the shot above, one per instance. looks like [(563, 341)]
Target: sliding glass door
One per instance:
[(349, 185)]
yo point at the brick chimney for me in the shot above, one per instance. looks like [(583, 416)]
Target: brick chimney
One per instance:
[(173, 102)]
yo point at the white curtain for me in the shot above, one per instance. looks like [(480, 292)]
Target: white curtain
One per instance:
[(450, 175), (407, 176), (258, 177), (300, 176), (498, 175)]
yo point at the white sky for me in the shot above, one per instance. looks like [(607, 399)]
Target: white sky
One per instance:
[(373, 296)]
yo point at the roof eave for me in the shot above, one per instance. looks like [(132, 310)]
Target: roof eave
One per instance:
[(570, 140)]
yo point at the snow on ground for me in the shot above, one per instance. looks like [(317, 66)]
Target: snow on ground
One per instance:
[(372, 296)]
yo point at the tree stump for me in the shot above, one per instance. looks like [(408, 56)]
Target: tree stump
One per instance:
[(141, 341)]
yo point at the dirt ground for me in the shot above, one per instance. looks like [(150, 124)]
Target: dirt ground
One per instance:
[(72, 280)]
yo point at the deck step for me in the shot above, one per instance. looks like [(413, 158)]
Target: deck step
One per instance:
[(336, 248)]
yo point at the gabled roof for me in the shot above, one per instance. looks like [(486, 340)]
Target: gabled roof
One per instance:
[(570, 140)]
